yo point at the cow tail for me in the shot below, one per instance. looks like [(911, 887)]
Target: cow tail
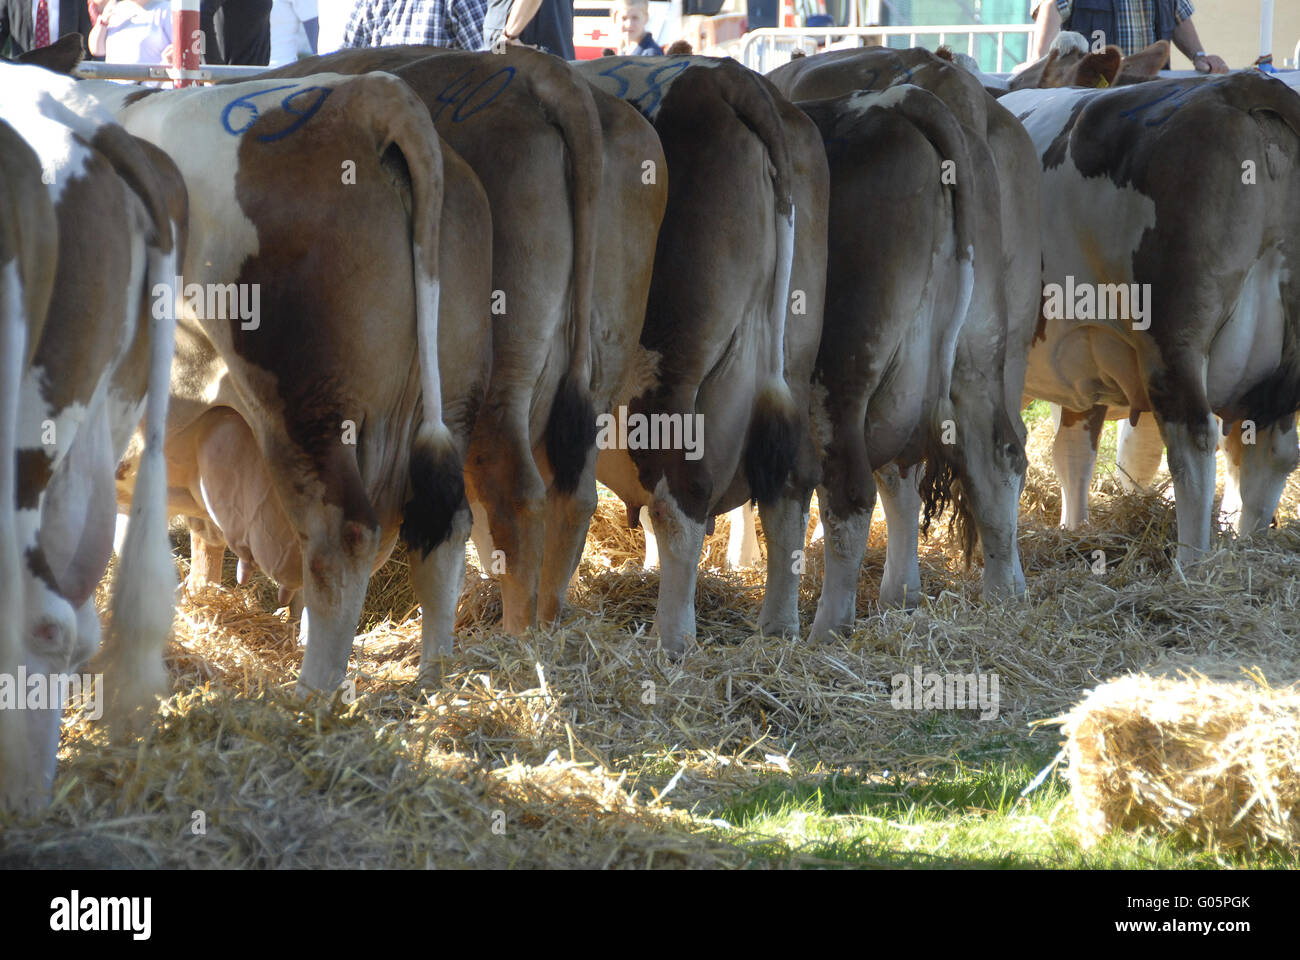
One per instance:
[(774, 429), (437, 464), (143, 601), (571, 426), (14, 772), (941, 482), (144, 589)]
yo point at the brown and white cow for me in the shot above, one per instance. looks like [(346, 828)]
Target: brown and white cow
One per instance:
[(88, 369), (985, 462), (1168, 229), (732, 323), (535, 135), (1071, 62), (322, 201), (1139, 447)]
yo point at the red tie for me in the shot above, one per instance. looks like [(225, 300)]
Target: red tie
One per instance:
[(42, 23)]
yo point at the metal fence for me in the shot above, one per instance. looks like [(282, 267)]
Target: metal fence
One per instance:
[(95, 70), (769, 47)]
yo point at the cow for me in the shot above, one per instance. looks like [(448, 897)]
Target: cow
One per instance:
[(1071, 62), (982, 468), (1139, 447), (562, 166), (351, 385), (1168, 223), (731, 327), (85, 358)]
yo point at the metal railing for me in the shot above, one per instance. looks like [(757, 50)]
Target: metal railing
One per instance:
[(769, 47), (206, 73)]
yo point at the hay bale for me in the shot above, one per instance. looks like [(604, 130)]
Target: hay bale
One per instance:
[(1209, 762)]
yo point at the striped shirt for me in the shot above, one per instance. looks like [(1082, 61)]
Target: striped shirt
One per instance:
[(435, 23), (1136, 21)]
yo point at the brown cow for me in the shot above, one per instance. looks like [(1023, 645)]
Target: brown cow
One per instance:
[(987, 452), (321, 204), (533, 133), (732, 324)]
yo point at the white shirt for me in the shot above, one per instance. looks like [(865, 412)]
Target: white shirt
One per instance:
[(138, 32), (287, 35), (53, 6), (333, 21)]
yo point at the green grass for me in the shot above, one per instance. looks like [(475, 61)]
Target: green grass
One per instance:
[(970, 817)]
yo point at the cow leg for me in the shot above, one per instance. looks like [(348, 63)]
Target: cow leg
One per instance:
[(1138, 453), (818, 531), (994, 468), (742, 542), (1191, 449), (681, 542), (1074, 455), (88, 635), (340, 538), (514, 499), (207, 553), (436, 579), (1231, 445), (482, 537), (900, 585), (785, 521), (651, 542), (1257, 473), (845, 545), (567, 518)]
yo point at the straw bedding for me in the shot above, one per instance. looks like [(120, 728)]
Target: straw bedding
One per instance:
[(583, 745)]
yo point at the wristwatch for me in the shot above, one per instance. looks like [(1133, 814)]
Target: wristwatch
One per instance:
[(1199, 54)]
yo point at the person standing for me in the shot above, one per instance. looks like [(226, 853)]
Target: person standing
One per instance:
[(27, 25), (236, 31), (433, 23), (290, 21), (1131, 25), (632, 18), (129, 32), (546, 24)]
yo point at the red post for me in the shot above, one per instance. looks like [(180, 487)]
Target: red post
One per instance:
[(187, 41)]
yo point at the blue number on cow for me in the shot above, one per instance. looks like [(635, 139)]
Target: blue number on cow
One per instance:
[(245, 102), (460, 92), (1173, 97), (656, 81)]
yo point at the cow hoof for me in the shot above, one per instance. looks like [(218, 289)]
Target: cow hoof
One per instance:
[(431, 676), (789, 631), (832, 634)]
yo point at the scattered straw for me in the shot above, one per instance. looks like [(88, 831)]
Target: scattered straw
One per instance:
[(584, 745)]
